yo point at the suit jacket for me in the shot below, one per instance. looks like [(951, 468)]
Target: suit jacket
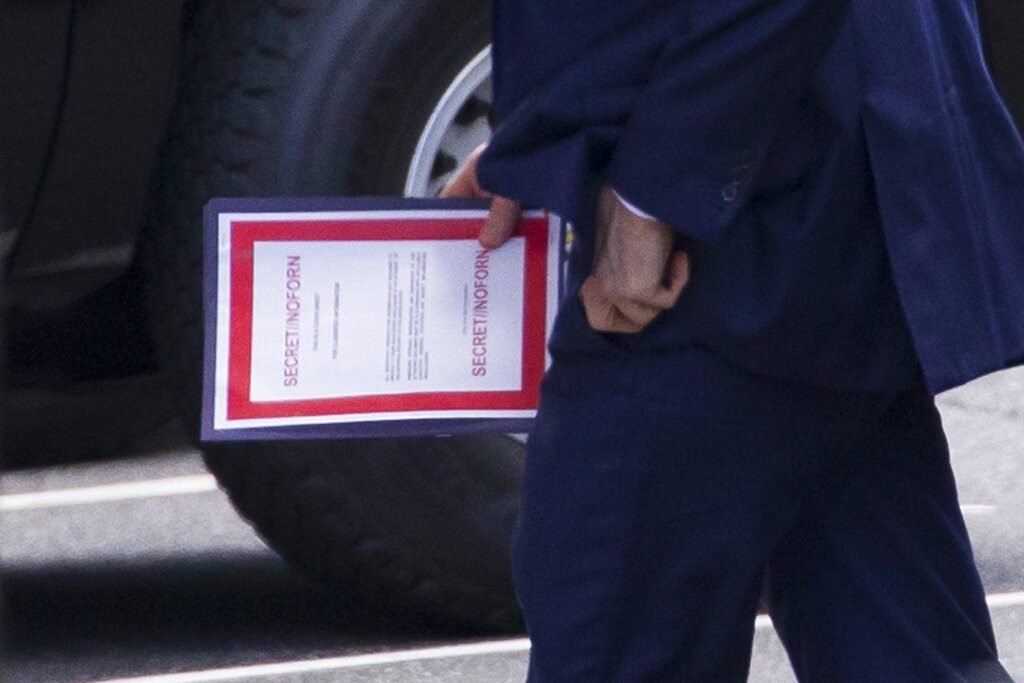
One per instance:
[(843, 172)]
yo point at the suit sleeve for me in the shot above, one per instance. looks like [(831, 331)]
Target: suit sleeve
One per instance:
[(703, 124), (675, 106)]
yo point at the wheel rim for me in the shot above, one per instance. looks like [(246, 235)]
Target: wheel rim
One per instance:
[(457, 125)]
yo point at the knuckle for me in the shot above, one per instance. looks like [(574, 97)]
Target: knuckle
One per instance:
[(646, 318), (598, 323)]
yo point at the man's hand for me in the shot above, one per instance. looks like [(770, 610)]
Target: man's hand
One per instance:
[(637, 275), (505, 213)]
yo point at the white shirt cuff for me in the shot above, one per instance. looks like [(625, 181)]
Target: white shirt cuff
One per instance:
[(633, 208)]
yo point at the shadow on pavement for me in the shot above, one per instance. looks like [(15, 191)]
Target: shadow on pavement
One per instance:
[(88, 622)]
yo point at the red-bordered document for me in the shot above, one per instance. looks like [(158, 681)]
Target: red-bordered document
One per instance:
[(373, 317)]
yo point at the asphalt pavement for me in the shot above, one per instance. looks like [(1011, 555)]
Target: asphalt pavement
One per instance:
[(137, 568)]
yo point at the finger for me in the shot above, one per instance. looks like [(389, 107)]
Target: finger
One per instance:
[(608, 318), (501, 223), (677, 274), (602, 314), (639, 314), (464, 183)]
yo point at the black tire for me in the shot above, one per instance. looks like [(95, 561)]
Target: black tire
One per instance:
[(1002, 22), (299, 97)]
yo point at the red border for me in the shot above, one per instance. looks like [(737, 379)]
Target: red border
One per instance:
[(245, 233)]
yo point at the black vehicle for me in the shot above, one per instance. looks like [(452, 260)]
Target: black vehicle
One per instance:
[(120, 119)]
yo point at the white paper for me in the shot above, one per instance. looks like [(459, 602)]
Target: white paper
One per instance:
[(390, 315), (361, 318)]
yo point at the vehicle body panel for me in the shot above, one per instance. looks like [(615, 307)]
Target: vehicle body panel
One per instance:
[(93, 116), (33, 57)]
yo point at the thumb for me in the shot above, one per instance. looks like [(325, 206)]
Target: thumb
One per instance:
[(501, 222), (678, 274)]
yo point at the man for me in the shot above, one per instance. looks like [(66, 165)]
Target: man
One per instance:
[(796, 221)]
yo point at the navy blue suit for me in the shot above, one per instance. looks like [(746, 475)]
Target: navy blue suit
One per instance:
[(850, 189), (737, 121)]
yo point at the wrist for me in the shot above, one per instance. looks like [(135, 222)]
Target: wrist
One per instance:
[(632, 208)]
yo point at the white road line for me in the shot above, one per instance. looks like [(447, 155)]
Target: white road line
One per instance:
[(337, 663), (762, 622), (173, 486), (179, 486), (997, 600)]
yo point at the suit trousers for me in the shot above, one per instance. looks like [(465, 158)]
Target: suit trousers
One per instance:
[(665, 493)]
